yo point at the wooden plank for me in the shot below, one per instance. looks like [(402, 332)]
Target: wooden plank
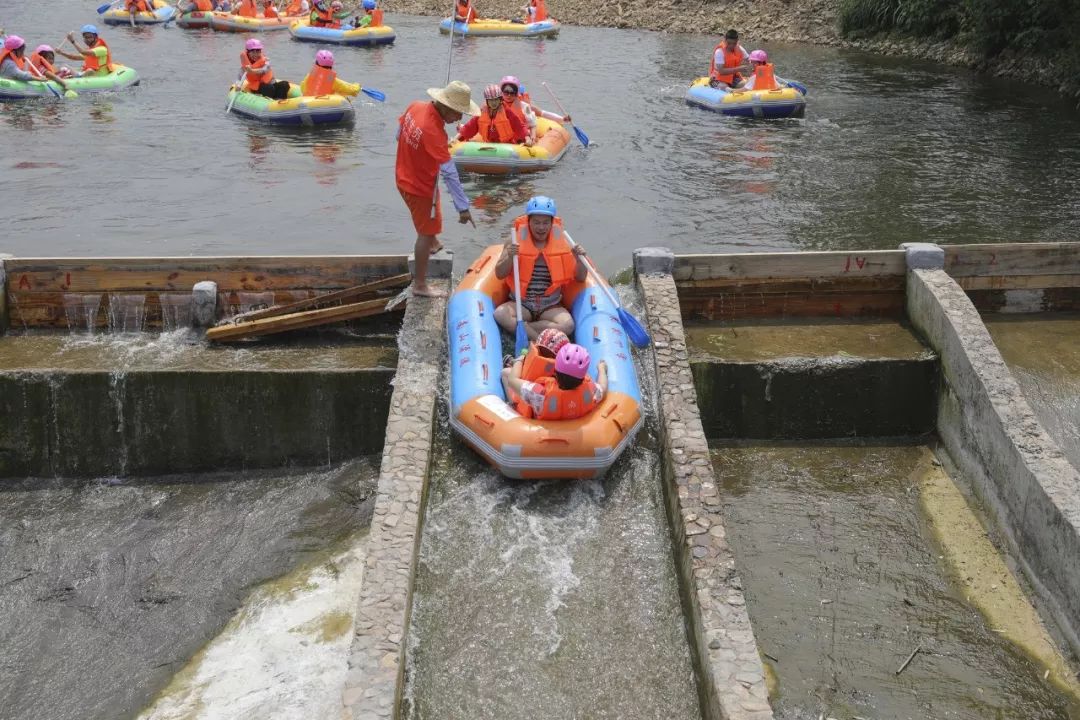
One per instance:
[(790, 265), (180, 274), (353, 293), (1017, 282), (1012, 259), (3, 295), (777, 306), (716, 286), (296, 321), (1049, 300)]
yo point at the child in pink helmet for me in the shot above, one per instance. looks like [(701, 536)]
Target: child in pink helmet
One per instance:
[(569, 394)]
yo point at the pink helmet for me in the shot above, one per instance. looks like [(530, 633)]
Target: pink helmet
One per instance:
[(759, 56), (324, 58), (253, 44), (510, 80), (492, 92), (13, 42), (572, 360), (44, 49), (336, 5), (552, 339)]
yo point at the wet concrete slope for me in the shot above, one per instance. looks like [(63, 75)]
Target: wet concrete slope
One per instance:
[(107, 590)]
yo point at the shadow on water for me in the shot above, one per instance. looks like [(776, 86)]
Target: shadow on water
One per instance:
[(107, 588), (547, 599), (843, 582)]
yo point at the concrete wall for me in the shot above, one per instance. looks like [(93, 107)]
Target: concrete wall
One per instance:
[(731, 677), (995, 439), (817, 398), (94, 424)]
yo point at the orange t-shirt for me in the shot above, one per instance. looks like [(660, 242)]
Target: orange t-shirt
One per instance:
[(421, 149)]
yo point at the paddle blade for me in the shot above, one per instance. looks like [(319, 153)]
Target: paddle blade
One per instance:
[(521, 340), (637, 334), (797, 85), (102, 9), (374, 94), (71, 94), (581, 135)]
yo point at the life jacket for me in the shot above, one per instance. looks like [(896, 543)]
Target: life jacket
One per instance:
[(255, 81), (504, 132), (540, 10), (515, 108), (732, 58), (20, 62), (465, 10), (534, 367), (557, 253), (376, 18), (320, 81), (138, 5), (246, 8), (294, 8), (562, 404), (764, 79), (269, 11), (90, 62), (204, 5), (324, 18), (41, 64)]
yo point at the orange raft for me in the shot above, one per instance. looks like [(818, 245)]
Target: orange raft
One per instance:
[(524, 447)]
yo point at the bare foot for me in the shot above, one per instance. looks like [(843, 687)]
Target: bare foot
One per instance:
[(437, 249), (427, 291)]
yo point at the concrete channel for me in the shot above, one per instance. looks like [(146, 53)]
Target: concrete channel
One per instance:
[(838, 470)]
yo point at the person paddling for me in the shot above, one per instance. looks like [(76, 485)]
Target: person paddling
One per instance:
[(730, 62), (322, 80), (259, 74), (43, 58), (14, 65), (322, 15), (423, 155), (372, 17), (547, 264), (246, 8), (465, 12), (495, 123), (96, 57)]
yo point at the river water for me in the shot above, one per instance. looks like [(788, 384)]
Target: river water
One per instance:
[(890, 150)]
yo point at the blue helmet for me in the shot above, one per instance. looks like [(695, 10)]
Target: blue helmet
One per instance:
[(92, 29), (369, 4), (541, 205)]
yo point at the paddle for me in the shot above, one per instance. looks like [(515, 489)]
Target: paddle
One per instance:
[(577, 131), (176, 14), (521, 338), (102, 9), (793, 84), (637, 334), (374, 94), (33, 70), (449, 62), (239, 86)]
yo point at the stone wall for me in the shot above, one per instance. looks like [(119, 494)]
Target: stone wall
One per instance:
[(731, 677)]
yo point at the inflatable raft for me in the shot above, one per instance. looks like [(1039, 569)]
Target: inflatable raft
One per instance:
[(379, 35), (507, 158), (785, 101), (523, 447), (502, 28), (119, 16), (298, 110), (227, 22), (194, 20), (121, 77)]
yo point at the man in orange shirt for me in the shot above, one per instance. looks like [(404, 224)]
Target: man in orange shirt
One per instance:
[(422, 155)]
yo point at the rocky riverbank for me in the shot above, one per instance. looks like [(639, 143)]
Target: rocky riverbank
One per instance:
[(762, 21)]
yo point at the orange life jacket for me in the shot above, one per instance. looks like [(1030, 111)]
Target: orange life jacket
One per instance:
[(41, 63), (90, 62), (465, 10), (557, 253), (138, 5), (253, 80), (269, 11), (516, 109), (293, 8), (320, 81), (534, 367), (324, 18), (540, 7), (764, 79), (562, 404), (376, 18), (246, 8), (504, 133), (204, 5), (20, 62), (732, 58)]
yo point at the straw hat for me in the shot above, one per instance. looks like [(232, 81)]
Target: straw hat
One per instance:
[(455, 96)]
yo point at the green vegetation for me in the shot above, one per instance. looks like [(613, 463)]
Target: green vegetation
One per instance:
[(1049, 28)]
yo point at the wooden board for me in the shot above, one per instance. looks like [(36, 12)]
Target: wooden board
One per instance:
[(772, 266), (338, 296), (253, 274), (1017, 282), (297, 321), (1059, 299), (748, 305), (1012, 259)]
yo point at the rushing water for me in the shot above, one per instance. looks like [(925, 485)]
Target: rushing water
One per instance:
[(890, 150), (843, 582), (107, 589)]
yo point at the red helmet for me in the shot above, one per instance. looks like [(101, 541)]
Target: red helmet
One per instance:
[(552, 339), (492, 92)]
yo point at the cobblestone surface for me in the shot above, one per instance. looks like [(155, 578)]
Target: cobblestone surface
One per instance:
[(731, 676), (374, 682)]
